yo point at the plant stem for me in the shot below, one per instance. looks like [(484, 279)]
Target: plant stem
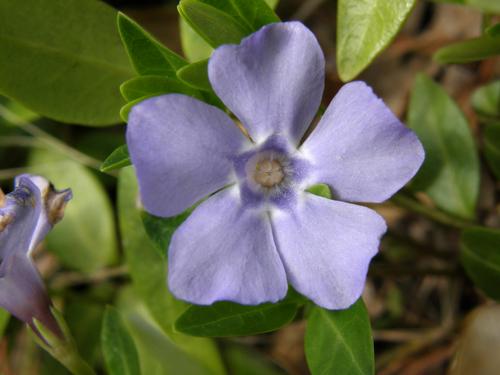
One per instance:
[(48, 140), (433, 214)]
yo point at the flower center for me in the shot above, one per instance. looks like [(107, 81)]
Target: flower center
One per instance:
[(269, 173)]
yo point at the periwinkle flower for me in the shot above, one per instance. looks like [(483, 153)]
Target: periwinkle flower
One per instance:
[(259, 229), (26, 216)]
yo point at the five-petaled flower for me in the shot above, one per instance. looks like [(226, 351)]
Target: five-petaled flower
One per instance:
[(26, 216), (259, 229)]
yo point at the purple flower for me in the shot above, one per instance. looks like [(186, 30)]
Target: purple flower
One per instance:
[(260, 229), (26, 216)]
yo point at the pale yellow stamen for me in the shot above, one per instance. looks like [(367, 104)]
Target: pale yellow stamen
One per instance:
[(269, 173)]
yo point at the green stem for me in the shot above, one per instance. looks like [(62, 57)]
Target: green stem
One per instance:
[(433, 214), (77, 365), (49, 140)]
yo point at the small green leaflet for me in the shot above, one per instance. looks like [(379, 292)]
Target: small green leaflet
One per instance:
[(486, 102), (118, 346), (450, 173), (340, 342), (480, 256), (196, 75), (119, 158), (364, 29)]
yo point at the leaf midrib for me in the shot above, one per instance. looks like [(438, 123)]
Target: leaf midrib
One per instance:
[(70, 56), (343, 341)]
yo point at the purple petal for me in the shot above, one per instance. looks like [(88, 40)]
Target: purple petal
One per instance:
[(23, 294), (226, 252), (181, 150), (20, 216), (326, 247), (272, 81), (360, 149)]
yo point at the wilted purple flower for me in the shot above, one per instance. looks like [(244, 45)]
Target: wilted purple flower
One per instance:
[(261, 228), (26, 216)]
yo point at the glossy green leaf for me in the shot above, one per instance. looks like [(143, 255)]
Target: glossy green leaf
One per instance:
[(4, 319), (450, 173), (242, 360), (486, 101), (146, 86), (470, 50), (491, 142), (340, 342), (86, 237), (160, 229), (212, 24), (196, 75), (480, 256), (494, 31), (63, 59), (149, 274), (119, 158), (148, 56), (364, 29), (224, 319), (118, 346)]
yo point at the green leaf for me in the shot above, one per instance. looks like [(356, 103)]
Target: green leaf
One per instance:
[(486, 101), (119, 158), (4, 319), (160, 230), (223, 319), (64, 60), (148, 56), (86, 237), (255, 13), (480, 257), (118, 346), (196, 75), (194, 46), (364, 29), (340, 342), (494, 30), (213, 25), (147, 86), (470, 50), (450, 173), (491, 135), (149, 274)]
